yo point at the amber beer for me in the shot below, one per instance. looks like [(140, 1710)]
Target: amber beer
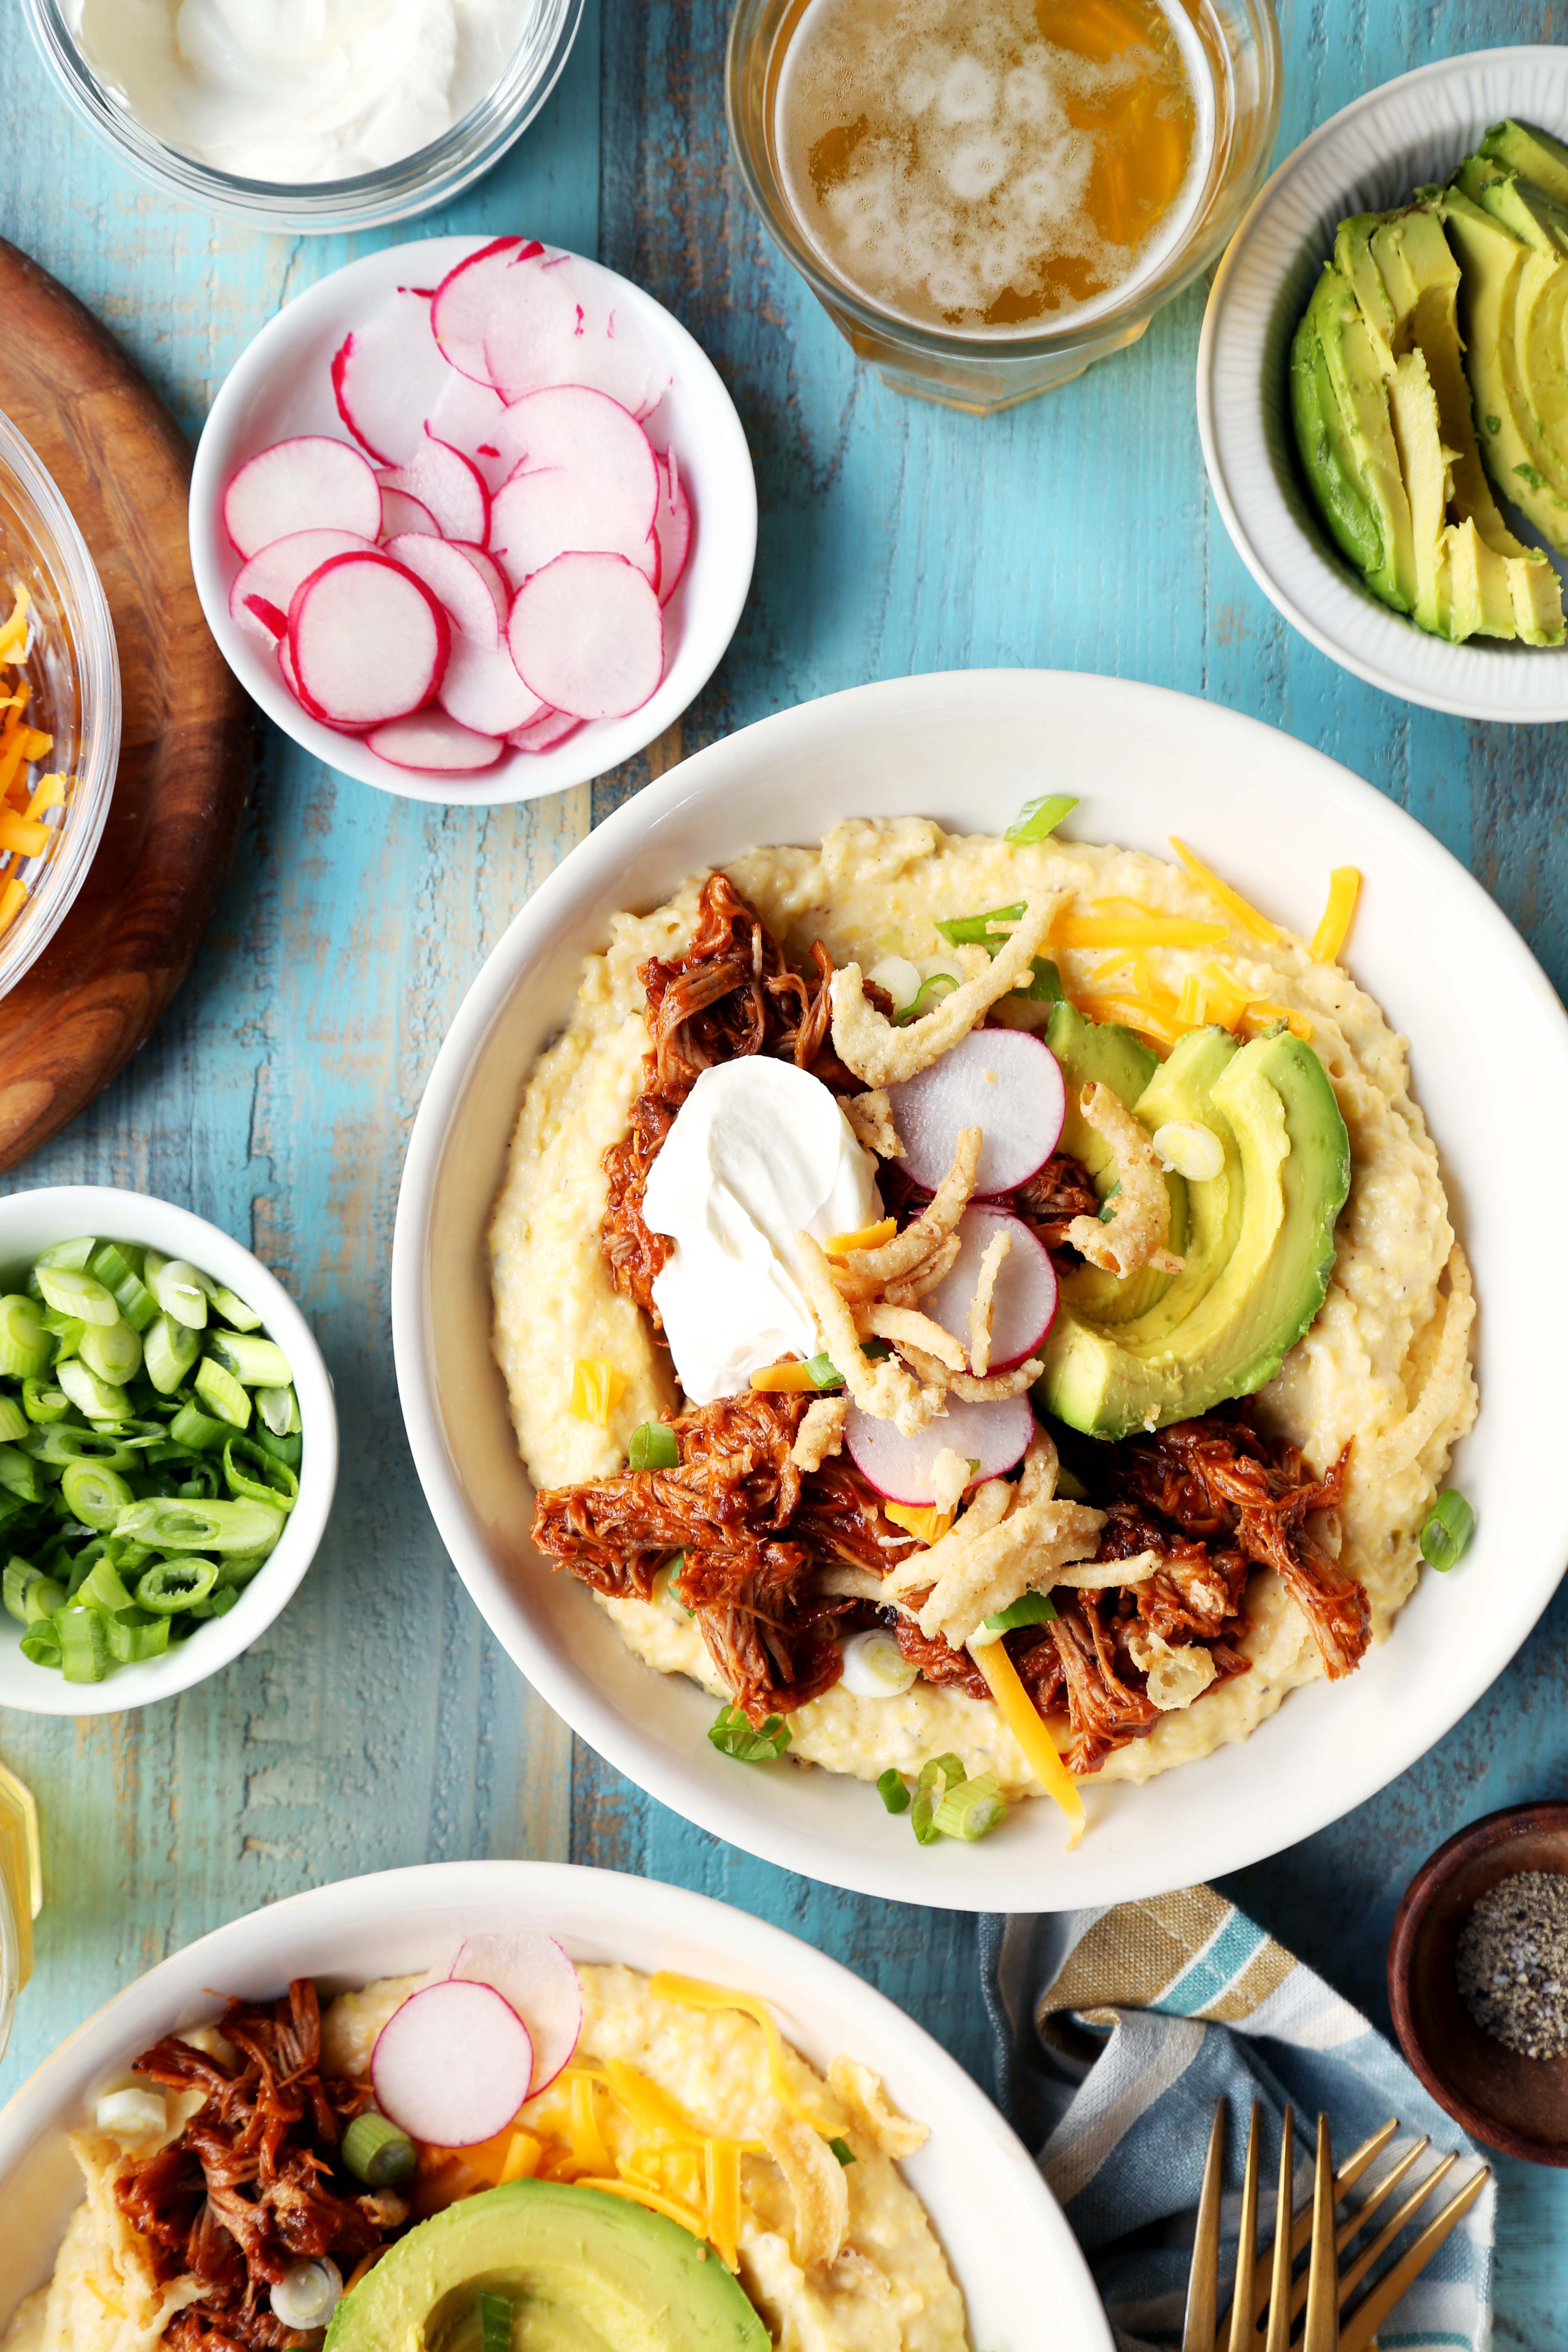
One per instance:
[(987, 166)]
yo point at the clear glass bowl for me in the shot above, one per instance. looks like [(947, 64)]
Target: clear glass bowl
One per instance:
[(74, 671), (986, 371), (415, 184)]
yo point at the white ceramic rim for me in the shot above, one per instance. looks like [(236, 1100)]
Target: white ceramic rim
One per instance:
[(697, 413), (113, 1216), (647, 1924), (1330, 1747), (1366, 157)]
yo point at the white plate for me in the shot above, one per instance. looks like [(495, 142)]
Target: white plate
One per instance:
[(1491, 1056), (1011, 2251), (1370, 156), (281, 384), (31, 1221)]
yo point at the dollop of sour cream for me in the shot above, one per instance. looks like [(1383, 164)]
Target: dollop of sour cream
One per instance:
[(298, 90), (760, 1152)]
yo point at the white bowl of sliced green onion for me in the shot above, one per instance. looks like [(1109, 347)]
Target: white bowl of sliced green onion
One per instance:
[(168, 1449)]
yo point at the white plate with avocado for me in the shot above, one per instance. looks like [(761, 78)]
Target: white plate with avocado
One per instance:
[(1002, 2232), (1480, 552)]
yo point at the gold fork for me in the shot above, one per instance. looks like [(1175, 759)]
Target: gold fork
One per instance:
[(1322, 2290)]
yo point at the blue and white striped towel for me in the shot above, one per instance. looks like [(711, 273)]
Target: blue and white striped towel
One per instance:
[(1117, 2031)]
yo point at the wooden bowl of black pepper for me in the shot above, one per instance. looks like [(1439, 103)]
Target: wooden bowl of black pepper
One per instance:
[(1513, 2102)]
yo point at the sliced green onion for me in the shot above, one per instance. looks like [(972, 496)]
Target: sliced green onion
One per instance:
[(102, 1588), (19, 1475), (192, 1427), (825, 1372), (981, 930), (74, 1255), (42, 1645), (95, 1495), (42, 1599), (222, 1393), (177, 1288), (876, 1351), (112, 1350), (279, 1410), (173, 1524), (938, 1774), (235, 1569), (117, 1265), (18, 1575), (893, 1790), (220, 1601), (291, 1450), (1446, 1538), (100, 1399), (1046, 985), (109, 1264), (71, 1292), (65, 1330), (259, 1363), (495, 2322), (1037, 819), (842, 2150), (83, 1636), (43, 1402), (247, 1470), (170, 1350), (932, 992), (652, 1447), (376, 2152), (1029, 1609), (972, 1808), (27, 1350), (59, 1442), (171, 1585), (135, 1635), (80, 1568), (14, 1422), (230, 1306), (732, 1735)]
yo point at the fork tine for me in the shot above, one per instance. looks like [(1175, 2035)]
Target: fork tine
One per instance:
[(1243, 2333), (1345, 2180), (1352, 2277), (1354, 2223), (1364, 2322), (1279, 2268), (1203, 2287), (1322, 2332)]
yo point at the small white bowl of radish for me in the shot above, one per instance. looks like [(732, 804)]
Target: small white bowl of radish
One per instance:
[(473, 521)]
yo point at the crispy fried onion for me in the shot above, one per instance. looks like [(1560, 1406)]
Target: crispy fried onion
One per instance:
[(1105, 1575), (870, 1115), (817, 2185), (882, 1054), (977, 1391), (869, 1272), (911, 1288), (821, 1433), (973, 1575), (1139, 1225), (981, 1307), (888, 1390), (949, 1477), (1176, 1673), (856, 2087)]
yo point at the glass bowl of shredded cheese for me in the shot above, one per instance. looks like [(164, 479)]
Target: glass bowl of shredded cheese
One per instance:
[(59, 708)]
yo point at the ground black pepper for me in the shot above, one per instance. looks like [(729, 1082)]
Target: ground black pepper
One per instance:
[(1511, 1962)]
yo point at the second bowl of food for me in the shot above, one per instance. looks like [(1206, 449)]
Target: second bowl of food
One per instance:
[(539, 2105), (168, 1449), (1377, 386), (1168, 1289)]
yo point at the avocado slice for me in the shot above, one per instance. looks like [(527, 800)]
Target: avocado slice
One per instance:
[(1086, 1051), (1261, 1246), (1492, 264), (1358, 388), (1332, 470), (1534, 155), (1539, 370), (584, 2272)]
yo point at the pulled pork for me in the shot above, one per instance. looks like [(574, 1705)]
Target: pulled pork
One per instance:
[(1054, 1195), (241, 2194), (754, 1528), (728, 995)]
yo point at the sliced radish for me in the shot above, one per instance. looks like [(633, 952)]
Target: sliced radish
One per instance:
[(449, 484), (537, 517), (482, 688), (388, 376), (368, 641), (307, 483), (263, 588), (448, 573), (286, 663), (1004, 1081), (587, 636), (570, 427), (1024, 1299), (995, 1435), (400, 514), (533, 1973), (563, 321), (545, 732), (490, 573), (431, 741), (452, 2066), (465, 414), (462, 305), (671, 524)]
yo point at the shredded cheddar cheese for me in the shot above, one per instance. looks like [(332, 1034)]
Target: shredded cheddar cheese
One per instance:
[(24, 836), (598, 1389), (786, 1378), (522, 2155), (1142, 931), (1329, 939), (638, 2194), (867, 1237), (666, 1985), (929, 1526), (1033, 1736), (1245, 918)]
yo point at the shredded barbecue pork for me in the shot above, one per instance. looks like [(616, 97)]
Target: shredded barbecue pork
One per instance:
[(243, 2192)]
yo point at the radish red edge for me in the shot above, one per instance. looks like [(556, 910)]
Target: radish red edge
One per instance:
[(453, 2065), (535, 1975), (298, 609)]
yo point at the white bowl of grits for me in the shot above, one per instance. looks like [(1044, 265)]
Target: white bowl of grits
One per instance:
[(958, 2236), (933, 771)]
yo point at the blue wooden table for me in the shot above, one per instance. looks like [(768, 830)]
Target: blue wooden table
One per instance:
[(377, 1723)]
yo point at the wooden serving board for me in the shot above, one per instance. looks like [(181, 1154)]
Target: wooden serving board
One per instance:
[(127, 942)]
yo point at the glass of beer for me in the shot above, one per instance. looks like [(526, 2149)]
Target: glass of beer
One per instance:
[(988, 196)]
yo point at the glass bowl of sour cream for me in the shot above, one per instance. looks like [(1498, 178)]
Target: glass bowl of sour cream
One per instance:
[(308, 115)]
